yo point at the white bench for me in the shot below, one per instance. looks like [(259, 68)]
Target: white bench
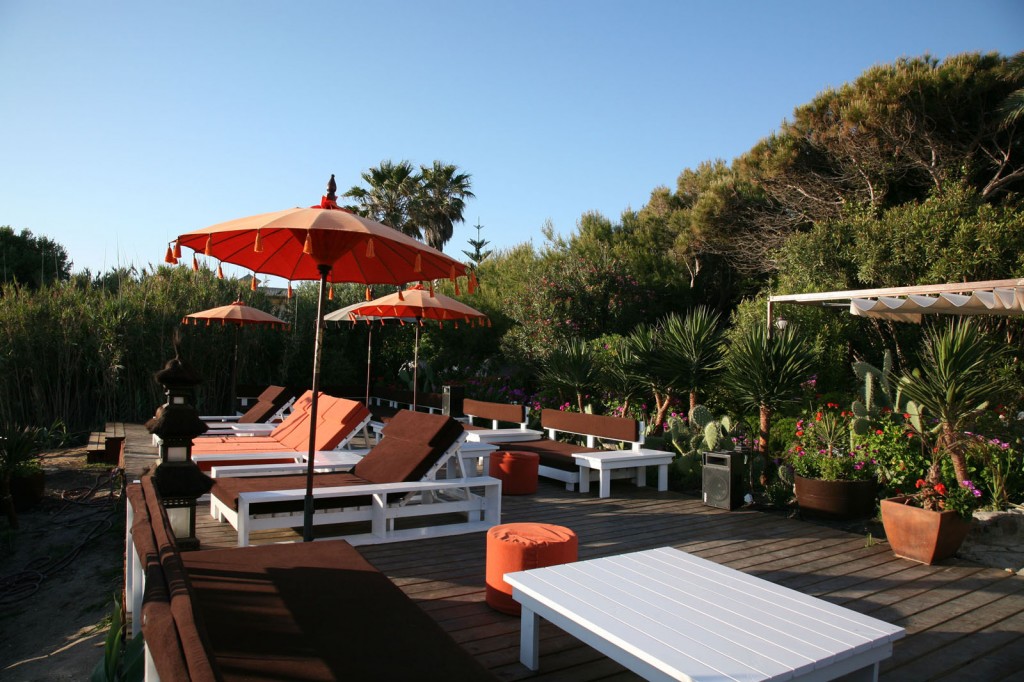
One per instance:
[(668, 615)]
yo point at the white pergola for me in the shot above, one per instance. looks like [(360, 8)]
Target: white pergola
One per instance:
[(908, 304)]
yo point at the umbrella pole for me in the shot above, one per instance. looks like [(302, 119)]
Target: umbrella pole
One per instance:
[(369, 347), (415, 364), (307, 516), (234, 376)]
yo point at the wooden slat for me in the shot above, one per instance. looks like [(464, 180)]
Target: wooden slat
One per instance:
[(963, 621)]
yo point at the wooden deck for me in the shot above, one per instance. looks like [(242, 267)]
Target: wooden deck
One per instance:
[(963, 621)]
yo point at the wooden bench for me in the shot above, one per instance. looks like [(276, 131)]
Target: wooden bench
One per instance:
[(496, 413), (557, 457), (106, 447), (668, 615), (311, 611)]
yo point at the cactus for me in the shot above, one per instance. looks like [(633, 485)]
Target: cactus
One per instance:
[(876, 393), (701, 416)]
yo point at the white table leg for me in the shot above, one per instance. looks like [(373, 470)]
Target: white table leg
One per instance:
[(585, 479), (640, 479), (605, 479), (529, 639), (662, 478)]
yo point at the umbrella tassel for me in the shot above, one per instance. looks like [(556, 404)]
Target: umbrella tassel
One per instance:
[(220, 271), (208, 249), (455, 280), (400, 296), (257, 246), (369, 249), (289, 289), (431, 288), (369, 296), (252, 286), (177, 249), (169, 256), (330, 293), (474, 285), (307, 248), (418, 265), (195, 263)]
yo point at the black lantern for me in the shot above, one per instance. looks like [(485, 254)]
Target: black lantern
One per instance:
[(178, 480)]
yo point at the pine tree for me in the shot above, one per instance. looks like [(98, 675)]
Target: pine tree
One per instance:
[(477, 255)]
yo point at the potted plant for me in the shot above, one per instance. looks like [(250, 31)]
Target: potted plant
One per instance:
[(18, 448), (950, 389), (835, 473)]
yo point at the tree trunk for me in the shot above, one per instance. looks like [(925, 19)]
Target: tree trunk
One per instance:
[(764, 424), (661, 403), (693, 400)]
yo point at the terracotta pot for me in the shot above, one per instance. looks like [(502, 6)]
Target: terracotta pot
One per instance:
[(836, 499), (921, 535), (27, 489)]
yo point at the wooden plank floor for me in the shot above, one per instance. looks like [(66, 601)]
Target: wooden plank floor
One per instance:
[(963, 621)]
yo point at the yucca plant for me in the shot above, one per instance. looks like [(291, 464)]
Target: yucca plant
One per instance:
[(954, 383), (570, 369), (764, 372), (691, 350)]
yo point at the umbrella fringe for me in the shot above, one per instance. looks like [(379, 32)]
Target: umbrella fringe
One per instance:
[(369, 249), (220, 271), (257, 245), (208, 250), (307, 247), (169, 256), (177, 249), (195, 263)]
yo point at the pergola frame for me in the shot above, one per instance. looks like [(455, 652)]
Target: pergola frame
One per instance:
[(843, 298)]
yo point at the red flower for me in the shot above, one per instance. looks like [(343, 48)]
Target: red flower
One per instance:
[(878, 432), (817, 417), (799, 433), (940, 489), (920, 483)]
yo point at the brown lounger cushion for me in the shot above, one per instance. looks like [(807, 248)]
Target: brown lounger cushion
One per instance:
[(227, 489), (322, 613)]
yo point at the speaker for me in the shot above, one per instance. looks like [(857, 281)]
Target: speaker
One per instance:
[(723, 479)]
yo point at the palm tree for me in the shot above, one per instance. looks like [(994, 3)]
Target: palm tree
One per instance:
[(764, 372), (442, 199), (953, 384), (691, 350), (644, 344), (392, 197), (1012, 108)]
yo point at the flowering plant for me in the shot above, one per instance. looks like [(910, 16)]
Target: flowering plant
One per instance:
[(825, 448), (962, 499)]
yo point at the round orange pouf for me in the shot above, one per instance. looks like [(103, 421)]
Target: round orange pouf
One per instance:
[(516, 470), (521, 546)]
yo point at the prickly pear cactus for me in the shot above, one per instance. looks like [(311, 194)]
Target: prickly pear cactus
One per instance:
[(701, 416)]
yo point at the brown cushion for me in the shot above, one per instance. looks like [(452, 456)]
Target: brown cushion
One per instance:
[(613, 428), (317, 611), (227, 489), (553, 453), (394, 460)]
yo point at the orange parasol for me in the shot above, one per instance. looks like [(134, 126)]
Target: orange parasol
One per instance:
[(237, 314), (322, 242), (415, 304)]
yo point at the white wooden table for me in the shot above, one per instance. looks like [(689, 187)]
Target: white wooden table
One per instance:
[(502, 435), (669, 615), (606, 461)]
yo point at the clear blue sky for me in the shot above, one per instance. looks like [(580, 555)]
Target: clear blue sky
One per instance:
[(127, 123)]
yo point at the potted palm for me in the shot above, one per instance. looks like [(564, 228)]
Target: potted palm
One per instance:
[(951, 388)]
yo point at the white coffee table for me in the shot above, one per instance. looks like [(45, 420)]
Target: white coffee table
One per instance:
[(669, 615), (607, 461)]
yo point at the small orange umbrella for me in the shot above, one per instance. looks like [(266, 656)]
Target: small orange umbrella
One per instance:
[(415, 304), (237, 314), (327, 243)]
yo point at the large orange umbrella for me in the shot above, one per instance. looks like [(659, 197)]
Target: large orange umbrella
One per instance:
[(415, 304), (237, 314), (322, 242)]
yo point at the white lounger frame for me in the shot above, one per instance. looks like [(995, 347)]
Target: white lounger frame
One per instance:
[(478, 497)]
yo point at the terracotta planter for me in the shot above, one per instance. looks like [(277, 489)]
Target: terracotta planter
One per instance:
[(920, 535), (836, 499), (27, 490)]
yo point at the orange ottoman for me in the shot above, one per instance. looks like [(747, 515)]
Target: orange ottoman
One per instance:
[(516, 470), (520, 546)]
